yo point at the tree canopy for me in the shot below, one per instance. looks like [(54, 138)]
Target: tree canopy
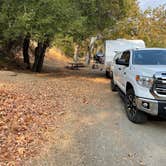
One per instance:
[(149, 26), (65, 22)]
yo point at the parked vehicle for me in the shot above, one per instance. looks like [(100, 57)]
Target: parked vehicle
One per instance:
[(140, 74), (115, 46)]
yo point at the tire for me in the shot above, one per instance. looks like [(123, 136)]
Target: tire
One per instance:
[(107, 74), (113, 86), (111, 75), (133, 114)]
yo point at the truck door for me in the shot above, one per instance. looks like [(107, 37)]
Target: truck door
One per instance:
[(123, 70)]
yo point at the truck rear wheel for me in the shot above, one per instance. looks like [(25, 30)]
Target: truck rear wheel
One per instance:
[(113, 86), (133, 113), (107, 74)]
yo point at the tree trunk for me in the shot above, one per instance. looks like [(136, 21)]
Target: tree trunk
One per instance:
[(38, 51), (88, 58), (76, 47), (39, 56), (26, 49), (42, 55)]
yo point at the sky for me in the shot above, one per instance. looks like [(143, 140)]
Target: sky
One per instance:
[(144, 4)]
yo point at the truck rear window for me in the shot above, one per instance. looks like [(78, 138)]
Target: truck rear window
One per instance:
[(149, 57)]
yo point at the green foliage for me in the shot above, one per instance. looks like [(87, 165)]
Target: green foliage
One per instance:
[(148, 26), (96, 15), (51, 17), (92, 17), (69, 22), (65, 43), (42, 18)]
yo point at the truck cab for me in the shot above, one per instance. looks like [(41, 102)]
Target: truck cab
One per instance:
[(140, 74), (113, 47)]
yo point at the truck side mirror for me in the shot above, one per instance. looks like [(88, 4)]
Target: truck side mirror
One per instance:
[(117, 60), (122, 62)]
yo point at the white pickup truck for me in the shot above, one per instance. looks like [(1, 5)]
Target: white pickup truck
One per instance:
[(140, 74)]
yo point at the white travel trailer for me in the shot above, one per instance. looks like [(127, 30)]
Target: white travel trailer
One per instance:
[(114, 46)]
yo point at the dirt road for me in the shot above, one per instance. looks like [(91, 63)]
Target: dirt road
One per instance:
[(94, 130)]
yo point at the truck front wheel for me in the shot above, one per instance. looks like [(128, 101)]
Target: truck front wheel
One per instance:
[(133, 113)]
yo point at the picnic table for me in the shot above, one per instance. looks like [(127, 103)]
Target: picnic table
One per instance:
[(75, 65)]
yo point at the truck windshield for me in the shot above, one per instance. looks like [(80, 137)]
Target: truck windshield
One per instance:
[(149, 57)]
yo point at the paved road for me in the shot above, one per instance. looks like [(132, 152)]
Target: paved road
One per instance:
[(96, 131)]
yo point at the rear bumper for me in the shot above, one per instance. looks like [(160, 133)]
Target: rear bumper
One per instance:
[(153, 107)]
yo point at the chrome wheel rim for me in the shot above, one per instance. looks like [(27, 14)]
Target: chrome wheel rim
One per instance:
[(131, 105)]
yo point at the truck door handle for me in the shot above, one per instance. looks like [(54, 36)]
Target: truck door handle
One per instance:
[(124, 73), (120, 69)]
